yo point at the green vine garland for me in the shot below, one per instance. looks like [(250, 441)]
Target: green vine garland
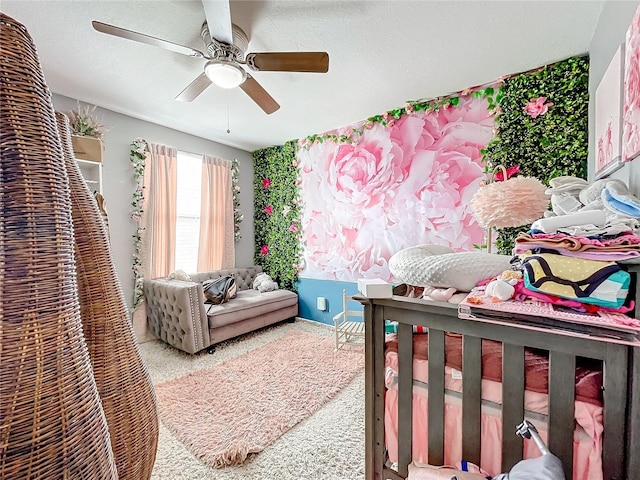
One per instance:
[(237, 213), (548, 145), (388, 119), (277, 213), (137, 156)]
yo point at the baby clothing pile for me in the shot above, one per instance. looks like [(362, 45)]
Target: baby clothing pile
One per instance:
[(570, 257), (604, 207)]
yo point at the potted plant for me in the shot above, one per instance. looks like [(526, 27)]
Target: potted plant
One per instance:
[(86, 134)]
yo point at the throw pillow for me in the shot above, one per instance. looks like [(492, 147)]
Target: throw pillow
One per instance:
[(180, 275), (264, 283)]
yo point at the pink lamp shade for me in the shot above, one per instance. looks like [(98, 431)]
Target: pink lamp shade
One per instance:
[(512, 203)]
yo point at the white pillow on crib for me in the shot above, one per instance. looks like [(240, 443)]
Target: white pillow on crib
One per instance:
[(462, 270), (408, 258)]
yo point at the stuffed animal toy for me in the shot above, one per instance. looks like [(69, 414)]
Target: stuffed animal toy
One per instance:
[(264, 283), (180, 275), (499, 290), (503, 287), (440, 294)]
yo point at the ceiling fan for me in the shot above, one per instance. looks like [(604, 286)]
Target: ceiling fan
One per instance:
[(226, 45)]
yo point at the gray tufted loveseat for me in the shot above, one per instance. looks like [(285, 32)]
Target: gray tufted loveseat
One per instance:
[(177, 314)]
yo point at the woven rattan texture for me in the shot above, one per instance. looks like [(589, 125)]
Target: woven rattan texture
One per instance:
[(123, 382), (52, 425)]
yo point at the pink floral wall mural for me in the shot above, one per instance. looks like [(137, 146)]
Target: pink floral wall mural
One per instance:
[(404, 184), (631, 111)]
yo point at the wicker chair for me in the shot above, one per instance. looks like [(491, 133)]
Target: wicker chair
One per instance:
[(124, 384), (52, 422)]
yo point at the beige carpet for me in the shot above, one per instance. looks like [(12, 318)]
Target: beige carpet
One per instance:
[(329, 444)]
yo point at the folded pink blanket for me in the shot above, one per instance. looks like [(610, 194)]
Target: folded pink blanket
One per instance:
[(577, 243), (592, 254)]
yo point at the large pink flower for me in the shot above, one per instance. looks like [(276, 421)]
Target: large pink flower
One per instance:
[(363, 174), (353, 182), (434, 208), (537, 106), (337, 252), (400, 186), (266, 183), (264, 250), (268, 210), (468, 124)]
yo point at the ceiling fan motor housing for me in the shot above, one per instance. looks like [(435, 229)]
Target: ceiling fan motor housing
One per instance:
[(225, 51)]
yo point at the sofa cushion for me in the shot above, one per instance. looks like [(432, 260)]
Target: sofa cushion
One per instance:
[(249, 304)]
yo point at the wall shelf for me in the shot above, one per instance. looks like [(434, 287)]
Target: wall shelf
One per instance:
[(92, 173), (87, 148)]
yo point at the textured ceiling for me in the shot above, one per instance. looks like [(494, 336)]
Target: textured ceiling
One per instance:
[(382, 53)]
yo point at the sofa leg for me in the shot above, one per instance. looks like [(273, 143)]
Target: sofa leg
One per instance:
[(211, 349)]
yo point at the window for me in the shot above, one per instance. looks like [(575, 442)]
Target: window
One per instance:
[(188, 229), (189, 181)]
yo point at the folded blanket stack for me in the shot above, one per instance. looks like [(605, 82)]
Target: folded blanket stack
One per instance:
[(570, 257)]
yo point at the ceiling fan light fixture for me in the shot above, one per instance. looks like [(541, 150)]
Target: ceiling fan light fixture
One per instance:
[(225, 74)]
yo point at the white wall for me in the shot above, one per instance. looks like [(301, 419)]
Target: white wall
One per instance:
[(614, 20), (118, 184)]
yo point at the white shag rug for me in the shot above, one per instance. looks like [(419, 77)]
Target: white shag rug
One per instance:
[(329, 445)]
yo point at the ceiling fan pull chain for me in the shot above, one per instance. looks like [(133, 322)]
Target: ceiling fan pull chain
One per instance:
[(228, 129)]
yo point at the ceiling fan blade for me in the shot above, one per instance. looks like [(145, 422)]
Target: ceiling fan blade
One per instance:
[(218, 14), (316, 62), (194, 89), (149, 40), (259, 95)]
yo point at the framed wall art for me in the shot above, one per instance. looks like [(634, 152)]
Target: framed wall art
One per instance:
[(609, 117), (631, 108)]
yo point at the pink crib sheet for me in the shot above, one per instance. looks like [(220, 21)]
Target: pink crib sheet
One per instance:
[(587, 464)]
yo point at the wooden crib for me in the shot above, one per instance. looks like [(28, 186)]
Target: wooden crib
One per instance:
[(620, 379)]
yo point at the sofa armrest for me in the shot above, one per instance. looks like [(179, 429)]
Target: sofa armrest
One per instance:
[(175, 313)]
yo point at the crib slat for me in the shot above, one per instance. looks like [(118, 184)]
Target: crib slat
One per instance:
[(374, 392), (405, 396), (562, 368), (436, 397), (512, 403), (615, 398), (471, 397), (633, 431)]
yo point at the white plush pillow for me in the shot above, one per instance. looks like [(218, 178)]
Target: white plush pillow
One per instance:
[(424, 266), (408, 259), (180, 275)]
